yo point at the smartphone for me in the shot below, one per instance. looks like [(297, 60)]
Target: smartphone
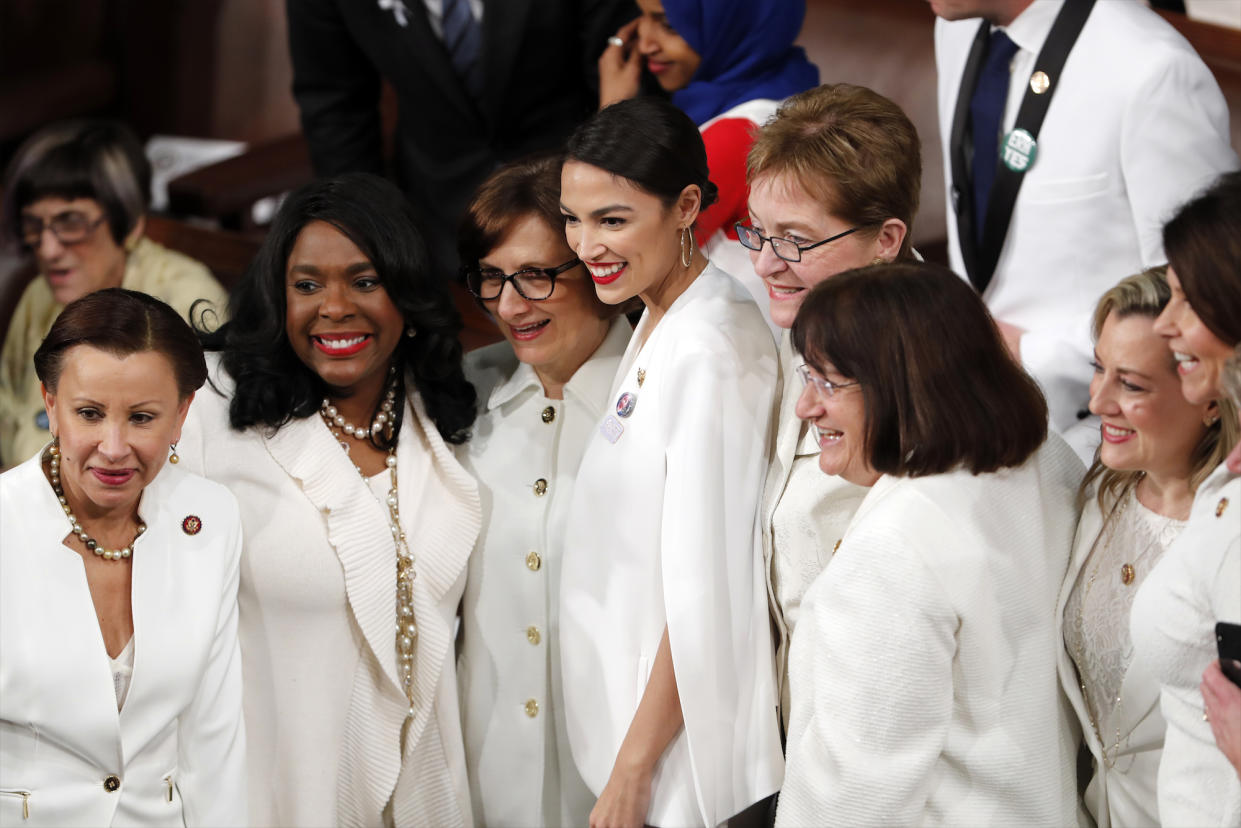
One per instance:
[(1228, 642)]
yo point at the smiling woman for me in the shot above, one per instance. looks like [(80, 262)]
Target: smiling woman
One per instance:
[(335, 393), (118, 589)]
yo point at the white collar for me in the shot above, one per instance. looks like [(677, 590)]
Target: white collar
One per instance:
[(1029, 29), (590, 383)]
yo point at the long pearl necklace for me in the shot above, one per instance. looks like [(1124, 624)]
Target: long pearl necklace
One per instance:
[(93, 545), (406, 629)]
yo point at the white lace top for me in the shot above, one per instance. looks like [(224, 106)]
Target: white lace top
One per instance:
[(122, 670), (1096, 616)]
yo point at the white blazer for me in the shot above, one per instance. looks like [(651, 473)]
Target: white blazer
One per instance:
[(323, 705), (512, 704), (923, 671), (662, 534), (177, 747), (1125, 793)]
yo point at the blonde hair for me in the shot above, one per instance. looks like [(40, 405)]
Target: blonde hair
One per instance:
[(852, 149), (1146, 294)]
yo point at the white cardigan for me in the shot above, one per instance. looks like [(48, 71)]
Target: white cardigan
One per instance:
[(177, 746), (662, 534), (924, 668), (1194, 585), (521, 770), (323, 704)]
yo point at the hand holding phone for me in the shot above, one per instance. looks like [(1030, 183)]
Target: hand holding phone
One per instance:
[(1228, 643)]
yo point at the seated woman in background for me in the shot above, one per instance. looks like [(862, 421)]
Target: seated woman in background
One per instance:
[(1156, 448), (336, 391), (120, 679), (1198, 582), (541, 393), (666, 654), (923, 672), (834, 183), (728, 64), (75, 196)]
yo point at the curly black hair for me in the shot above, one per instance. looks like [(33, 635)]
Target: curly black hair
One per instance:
[(273, 386)]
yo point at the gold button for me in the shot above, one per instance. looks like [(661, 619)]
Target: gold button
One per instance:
[(532, 635), (532, 708), (111, 783), (1221, 506), (540, 487), (549, 414), (533, 561)]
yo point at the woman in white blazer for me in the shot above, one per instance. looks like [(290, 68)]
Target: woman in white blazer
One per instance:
[(923, 673), (540, 394), (834, 184), (666, 650), (337, 389), (1198, 582), (1155, 449), (120, 678)]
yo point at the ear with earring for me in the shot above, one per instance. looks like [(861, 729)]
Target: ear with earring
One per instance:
[(687, 248), (173, 457)]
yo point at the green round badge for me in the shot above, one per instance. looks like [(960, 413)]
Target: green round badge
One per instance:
[(1019, 150)]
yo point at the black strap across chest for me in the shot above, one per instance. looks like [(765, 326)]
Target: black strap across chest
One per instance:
[(981, 258)]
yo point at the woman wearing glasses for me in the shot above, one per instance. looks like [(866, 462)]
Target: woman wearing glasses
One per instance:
[(834, 184), (540, 395), (666, 656), (75, 196), (923, 671)]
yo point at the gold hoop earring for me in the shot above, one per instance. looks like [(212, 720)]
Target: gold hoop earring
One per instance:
[(173, 457), (687, 248)]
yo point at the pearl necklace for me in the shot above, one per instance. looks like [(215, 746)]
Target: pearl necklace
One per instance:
[(93, 545), (406, 629)]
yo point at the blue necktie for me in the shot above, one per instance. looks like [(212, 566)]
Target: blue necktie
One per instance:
[(986, 116), (462, 38)]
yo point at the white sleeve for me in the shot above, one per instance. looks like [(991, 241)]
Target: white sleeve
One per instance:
[(871, 687)]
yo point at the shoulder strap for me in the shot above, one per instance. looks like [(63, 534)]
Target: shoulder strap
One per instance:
[(962, 190)]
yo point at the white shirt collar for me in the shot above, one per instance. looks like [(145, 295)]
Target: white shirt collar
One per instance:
[(1029, 29), (591, 383)]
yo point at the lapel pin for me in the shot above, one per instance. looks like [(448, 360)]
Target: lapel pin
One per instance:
[(626, 404), (1039, 82), (192, 525)]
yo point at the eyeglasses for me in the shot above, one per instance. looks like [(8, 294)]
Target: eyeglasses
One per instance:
[(534, 283), (70, 227), (786, 249), (825, 388)]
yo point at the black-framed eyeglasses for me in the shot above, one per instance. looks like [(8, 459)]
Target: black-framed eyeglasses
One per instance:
[(533, 283), (786, 249), (825, 387), (69, 227)]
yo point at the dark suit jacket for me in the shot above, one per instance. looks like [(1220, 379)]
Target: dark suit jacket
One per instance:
[(540, 69)]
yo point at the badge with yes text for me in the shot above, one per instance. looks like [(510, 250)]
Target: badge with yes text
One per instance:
[(611, 429), (1019, 150)]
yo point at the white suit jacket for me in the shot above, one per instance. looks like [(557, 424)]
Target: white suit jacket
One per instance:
[(662, 534), (1137, 126), (923, 670), (178, 745), (521, 769), (1125, 793), (323, 706)]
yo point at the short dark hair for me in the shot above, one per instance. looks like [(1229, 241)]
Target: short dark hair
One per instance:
[(528, 187), (649, 142), (101, 160), (940, 388), (272, 385), (123, 322), (1203, 244)]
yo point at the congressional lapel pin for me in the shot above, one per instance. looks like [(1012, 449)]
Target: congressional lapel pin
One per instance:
[(626, 404), (1039, 82), (1221, 506), (1019, 150), (641, 377), (192, 525), (611, 429)]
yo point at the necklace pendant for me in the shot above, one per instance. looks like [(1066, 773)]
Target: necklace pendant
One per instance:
[(1127, 574)]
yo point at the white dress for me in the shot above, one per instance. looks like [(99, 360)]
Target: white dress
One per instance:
[(662, 535), (1118, 708), (1173, 627), (923, 672), (508, 667)]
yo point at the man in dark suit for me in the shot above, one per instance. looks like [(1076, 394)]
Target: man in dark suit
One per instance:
[(529, 79)]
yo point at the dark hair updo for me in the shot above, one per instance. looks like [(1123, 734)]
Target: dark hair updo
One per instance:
[(123, 322), (1203, 243), (650, 142), (272, 385)]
